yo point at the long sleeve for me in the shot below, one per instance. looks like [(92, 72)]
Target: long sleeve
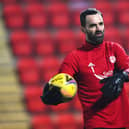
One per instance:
[(69, 65), (122, 59)]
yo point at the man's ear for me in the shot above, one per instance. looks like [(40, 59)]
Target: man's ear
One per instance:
[(83, 29)]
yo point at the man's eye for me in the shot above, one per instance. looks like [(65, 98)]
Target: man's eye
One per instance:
[(101, 23)]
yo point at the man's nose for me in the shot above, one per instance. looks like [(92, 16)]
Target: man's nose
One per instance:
[(98, 28)]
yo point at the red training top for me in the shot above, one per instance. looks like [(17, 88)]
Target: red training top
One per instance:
[(88, 65)]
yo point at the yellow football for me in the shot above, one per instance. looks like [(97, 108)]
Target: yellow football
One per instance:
[(66, 83)]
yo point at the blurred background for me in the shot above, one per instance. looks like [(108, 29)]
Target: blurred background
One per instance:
[(35, 35)]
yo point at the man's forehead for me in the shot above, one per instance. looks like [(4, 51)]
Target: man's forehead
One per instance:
[(95, 18)]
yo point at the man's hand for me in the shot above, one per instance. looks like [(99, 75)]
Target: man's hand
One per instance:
[(51, 95), (113, 85)]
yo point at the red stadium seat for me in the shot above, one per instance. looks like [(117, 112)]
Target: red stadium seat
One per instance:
[(125, 35), (42, 122), (31, 1), (80, 38), (28, 71), (109, 18), (32, 93), (24, 64), (34, 9), (10, 10), (30, 77), (58, 15), (43, 42), (33, 101), (57, 8), (121, 6), (46, 75), (52, 1), (49, 63), (103, 6), (9, 1), (36, 15), (113, 34), (123, 18), (75, 18), (64, 107), (21, 43), (37, 21), (65, 41), (14, 16), (60, 20), (66, 121), (44, 49), (48, 67)]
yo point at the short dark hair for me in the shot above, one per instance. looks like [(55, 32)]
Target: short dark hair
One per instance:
[(89, 11)]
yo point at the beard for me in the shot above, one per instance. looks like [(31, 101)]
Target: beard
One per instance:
[(95, 39)]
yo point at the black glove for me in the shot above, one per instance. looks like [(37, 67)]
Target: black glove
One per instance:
[(51, 95), (113, 85)]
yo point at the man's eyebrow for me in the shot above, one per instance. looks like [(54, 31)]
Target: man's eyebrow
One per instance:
[(92, 24)]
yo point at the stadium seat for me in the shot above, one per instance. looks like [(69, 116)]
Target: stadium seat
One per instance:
[(32, 92), (46, 75), (34, 9), (31, 1), (125, 35), (44, 49), (21, 43), (109, 18), (48, 67), (57, 8), (24, 64), (58, 15), (42, 122), (65, 41), (66, 121), (80, 38), (60, 21), (64, 107), (103, 6), (75, 18), (37, 21), (121, 6), (36, 15), (113, 34), (14, 16), (49, 63), (52, 1), (33, 101), (28, 71), (30, 77), (123, 18), (44, 44), (9, 1)]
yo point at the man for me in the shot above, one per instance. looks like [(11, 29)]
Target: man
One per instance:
[(100, 69)]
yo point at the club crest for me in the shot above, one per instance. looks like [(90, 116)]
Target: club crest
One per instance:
[(112, 59)]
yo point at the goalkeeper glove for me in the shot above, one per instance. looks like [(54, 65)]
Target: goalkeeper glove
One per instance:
[(51, 95), (113, 85)]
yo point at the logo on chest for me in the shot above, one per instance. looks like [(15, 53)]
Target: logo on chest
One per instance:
[(112, 59), (99, 76)]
